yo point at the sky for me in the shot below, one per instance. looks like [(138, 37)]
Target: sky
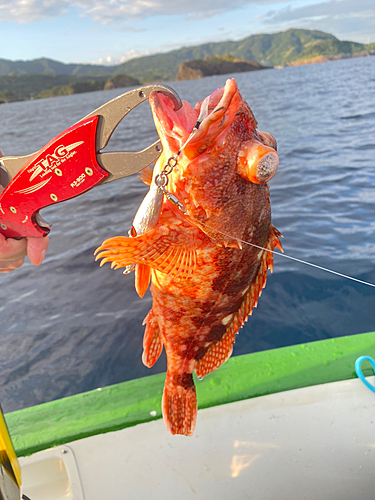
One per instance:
[(113, 31)]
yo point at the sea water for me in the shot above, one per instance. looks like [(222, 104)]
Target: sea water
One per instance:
[(69, 326)]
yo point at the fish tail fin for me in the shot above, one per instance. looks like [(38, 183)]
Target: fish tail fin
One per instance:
[(180, 405), (142, 278)]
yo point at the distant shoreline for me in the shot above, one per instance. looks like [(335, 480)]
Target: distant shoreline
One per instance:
[(320, 59), (41, 78)]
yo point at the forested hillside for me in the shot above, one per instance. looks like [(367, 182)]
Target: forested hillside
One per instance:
[(45, 77)]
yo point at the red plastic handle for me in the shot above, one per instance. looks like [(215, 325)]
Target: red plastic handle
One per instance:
[(66, 167)]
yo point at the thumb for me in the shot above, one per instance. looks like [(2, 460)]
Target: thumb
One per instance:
[(36, 249)]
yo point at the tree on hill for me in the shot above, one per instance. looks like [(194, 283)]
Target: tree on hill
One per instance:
[(294, 46), (7, 96), (120, 81)]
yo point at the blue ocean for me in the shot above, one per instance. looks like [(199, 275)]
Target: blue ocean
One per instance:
[(70, 326)]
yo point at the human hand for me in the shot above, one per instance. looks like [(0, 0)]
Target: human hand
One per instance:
[(13, 252)]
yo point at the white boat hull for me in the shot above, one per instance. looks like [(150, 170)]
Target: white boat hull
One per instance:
[(310, 443)]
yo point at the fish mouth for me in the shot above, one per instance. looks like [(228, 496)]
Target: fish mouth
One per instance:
[(176, 126)]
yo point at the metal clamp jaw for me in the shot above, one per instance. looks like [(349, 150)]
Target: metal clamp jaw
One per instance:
[(124, 163), (71, 164)]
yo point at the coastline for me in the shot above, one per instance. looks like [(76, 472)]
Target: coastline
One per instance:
[(321, 59)]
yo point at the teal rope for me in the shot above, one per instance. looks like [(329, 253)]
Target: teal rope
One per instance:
[(359, 371)]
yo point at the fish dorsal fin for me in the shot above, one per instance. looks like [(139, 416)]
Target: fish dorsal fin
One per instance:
[(220, 351), (167, 250)]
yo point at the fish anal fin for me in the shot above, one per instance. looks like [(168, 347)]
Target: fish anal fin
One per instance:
[(142, 278), (217, 354), (152, 341), (179, 405), (221, 350), (171, 251)]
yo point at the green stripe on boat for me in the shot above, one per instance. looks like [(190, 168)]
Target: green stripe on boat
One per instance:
[(242, 377)]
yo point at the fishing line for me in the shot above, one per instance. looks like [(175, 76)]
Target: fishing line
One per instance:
[(283, 254), (162, 181), (174, 200)]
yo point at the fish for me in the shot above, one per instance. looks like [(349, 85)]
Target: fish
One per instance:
[(207, 250)]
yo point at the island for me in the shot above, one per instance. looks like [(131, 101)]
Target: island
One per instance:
[(215, 65)]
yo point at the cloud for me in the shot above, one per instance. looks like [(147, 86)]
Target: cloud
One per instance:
[(130, 54), (323, 9), (344, 18), (24, 11)]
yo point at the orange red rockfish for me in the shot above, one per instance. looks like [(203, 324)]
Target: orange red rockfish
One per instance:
[(205, 280)]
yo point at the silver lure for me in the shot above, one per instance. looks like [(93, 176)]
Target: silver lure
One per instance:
[(148, 213), (147, 216)]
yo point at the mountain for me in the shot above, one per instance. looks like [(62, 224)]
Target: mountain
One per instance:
[(294, 46), (26, 86), (267, 49), (34, 86), (50, 67)]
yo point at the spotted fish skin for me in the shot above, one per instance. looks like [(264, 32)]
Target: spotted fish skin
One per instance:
[(204, 280)]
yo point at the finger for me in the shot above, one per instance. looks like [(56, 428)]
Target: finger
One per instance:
[(1, 187), (11, 249), (12, 252), (7, 267), (36, 249)]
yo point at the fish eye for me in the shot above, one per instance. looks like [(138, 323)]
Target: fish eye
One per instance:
[(257, 162), (267, 167)]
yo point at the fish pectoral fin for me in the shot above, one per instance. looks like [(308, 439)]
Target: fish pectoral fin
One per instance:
[(179, 405), (152, 340), (146, 175), (219, 351), (178, 262), (142, 278), (166, 250)]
